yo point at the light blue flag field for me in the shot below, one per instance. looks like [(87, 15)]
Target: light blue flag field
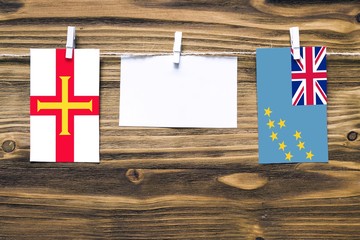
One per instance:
[(287, 133)]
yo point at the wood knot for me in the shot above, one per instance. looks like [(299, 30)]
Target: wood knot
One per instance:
[(8, 146), (358, 18), (259, 238), (135, 176), (245, 181), (352, 136)]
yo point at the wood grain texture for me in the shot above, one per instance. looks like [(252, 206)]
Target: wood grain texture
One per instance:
[(166, 183)]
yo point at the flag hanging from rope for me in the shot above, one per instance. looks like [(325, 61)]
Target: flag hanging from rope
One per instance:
[(289, 132), (64, 106)]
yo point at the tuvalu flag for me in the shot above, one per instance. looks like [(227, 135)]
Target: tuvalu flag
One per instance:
[(292, 105), (64, 106)]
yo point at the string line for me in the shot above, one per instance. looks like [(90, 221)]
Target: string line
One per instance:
[(129, 54)]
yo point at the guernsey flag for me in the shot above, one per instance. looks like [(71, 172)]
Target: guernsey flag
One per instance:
[(64, 106)]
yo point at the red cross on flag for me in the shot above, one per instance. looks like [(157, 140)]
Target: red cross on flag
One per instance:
[(64, 106)]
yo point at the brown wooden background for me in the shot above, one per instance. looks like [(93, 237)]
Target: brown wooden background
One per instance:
[(179, 183)]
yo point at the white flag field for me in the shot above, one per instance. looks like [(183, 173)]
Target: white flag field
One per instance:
[(199, 92)]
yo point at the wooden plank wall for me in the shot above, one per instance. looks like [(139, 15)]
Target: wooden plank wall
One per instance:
[(179, 183)]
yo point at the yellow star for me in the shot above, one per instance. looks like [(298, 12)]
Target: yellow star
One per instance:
[(270, 124), (273, 136), (297, 135), (282, 146), (267, 112), (309, 155), (281, 123), (288, 156), (301, 145)]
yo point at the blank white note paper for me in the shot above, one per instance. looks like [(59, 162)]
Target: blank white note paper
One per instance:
[(200, 92)]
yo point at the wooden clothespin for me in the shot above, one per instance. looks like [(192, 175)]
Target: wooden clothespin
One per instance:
[(295, 42), (70, 42), (177, 47)]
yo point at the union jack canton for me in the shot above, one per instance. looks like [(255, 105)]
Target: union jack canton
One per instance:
[(309, 77)]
